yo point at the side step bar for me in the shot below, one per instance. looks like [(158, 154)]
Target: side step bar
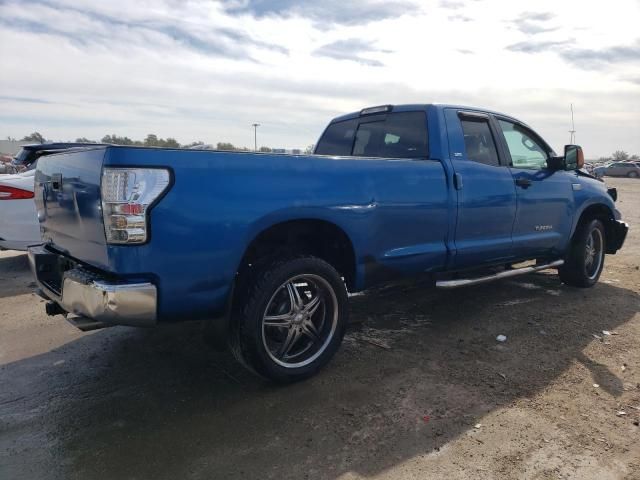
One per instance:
[(463, 282)]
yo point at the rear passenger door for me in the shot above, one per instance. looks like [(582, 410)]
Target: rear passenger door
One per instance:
[(544, 197), (485, 190)]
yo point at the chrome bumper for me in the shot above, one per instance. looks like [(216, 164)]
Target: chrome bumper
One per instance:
[(84, 293)]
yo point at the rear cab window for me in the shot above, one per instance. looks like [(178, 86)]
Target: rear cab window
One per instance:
[(390, 135), (337, 139)]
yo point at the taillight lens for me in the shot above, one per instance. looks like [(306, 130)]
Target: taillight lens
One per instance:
[(13, 193), (126, 196)]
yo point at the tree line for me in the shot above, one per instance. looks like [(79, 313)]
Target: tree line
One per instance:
[(620, 156), (153, 140)]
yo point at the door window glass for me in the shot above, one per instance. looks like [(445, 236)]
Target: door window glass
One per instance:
[(478, 141), (526, 151)]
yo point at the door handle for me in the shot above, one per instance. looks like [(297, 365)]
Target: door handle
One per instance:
[(523, 182), (457, 181)]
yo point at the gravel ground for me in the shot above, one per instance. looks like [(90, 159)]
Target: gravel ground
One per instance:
[(420, 389)]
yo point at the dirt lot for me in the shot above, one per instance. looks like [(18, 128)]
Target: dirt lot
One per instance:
[(421, 388)]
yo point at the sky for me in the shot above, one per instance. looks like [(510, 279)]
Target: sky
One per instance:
[(203, 70)]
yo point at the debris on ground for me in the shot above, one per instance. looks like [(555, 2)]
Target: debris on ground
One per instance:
[(377, 343), (501, 338)]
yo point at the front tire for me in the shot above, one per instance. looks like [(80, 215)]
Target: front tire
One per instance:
[(291, 319), (585, 261)]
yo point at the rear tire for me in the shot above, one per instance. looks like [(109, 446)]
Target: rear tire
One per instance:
[(290, 319), (585, 260), (632, 174)]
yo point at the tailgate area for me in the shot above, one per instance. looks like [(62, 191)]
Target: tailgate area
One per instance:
[(68, 203)]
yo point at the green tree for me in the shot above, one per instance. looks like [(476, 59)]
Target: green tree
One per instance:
[(84, 140), (34, 137), (116, 140), (151, 141), (170, 143), (225, 146), (265, 150)]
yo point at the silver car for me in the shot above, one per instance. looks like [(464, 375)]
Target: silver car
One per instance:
[(618, 169)]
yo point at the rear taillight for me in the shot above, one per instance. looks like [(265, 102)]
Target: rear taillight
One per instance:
[(127, 194), (13, 193)]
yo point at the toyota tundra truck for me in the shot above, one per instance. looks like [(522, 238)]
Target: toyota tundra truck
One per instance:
[(266, 247)]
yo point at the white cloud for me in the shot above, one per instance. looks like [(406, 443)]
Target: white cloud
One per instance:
[(201, 70)]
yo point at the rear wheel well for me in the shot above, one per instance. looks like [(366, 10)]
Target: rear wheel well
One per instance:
[(319, 238)]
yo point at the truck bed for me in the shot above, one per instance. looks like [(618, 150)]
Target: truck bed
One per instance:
[(219, 201)]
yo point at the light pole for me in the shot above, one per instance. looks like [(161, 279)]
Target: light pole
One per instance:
[(255, 136), (573, 128)]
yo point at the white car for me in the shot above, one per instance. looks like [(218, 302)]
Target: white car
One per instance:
[(19, 225)]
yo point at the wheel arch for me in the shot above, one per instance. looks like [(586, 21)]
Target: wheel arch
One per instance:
[(604, 213), (306, 235)]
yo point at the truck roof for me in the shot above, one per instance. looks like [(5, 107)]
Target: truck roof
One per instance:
[(424, 106)]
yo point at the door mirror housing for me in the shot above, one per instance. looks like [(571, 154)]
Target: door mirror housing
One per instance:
[(573, 157)]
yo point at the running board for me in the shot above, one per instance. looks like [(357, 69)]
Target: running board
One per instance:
[(506, 274)]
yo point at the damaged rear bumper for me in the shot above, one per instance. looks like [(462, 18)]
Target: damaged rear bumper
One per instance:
[(87, 294)]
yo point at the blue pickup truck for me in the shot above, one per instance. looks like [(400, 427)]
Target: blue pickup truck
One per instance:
[(266, 246)]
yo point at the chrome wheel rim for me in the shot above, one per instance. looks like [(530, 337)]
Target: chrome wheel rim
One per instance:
[(299, 321), (593, 254)]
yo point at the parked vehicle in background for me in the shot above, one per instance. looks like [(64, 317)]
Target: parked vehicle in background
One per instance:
[(19, 226), (18, 219), (265, 246), (6, 165), (27, 157), (618, 169)]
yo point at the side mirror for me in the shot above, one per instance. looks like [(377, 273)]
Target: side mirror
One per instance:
[(555, 163), (573, 157)]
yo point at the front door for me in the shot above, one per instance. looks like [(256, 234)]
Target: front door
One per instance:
[(545, 197), (485, 188)]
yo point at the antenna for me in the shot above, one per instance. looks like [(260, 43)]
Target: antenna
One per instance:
[(572, 139)]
